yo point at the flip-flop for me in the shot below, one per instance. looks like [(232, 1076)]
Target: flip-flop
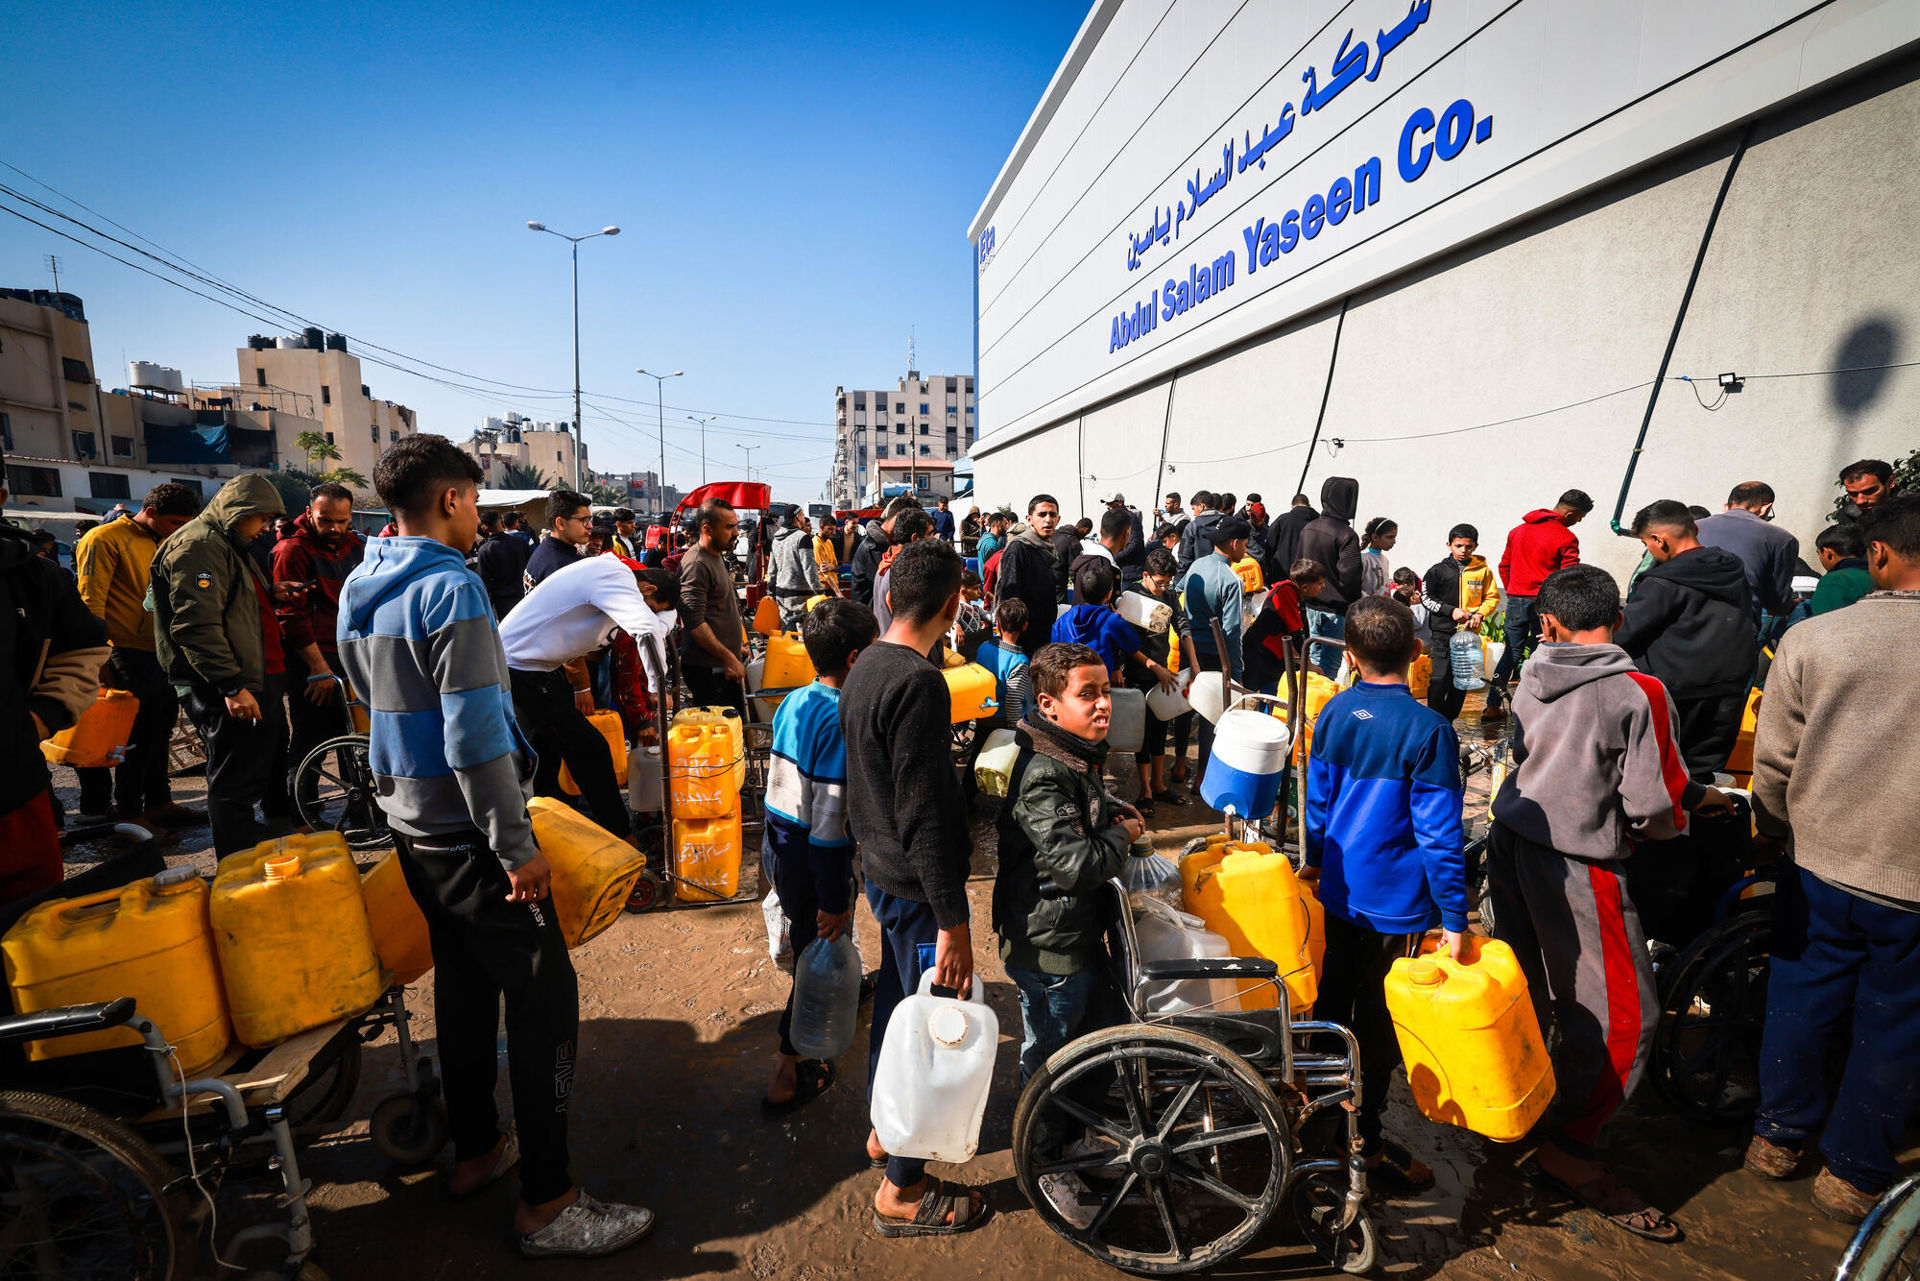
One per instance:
[(811, 1077), (930, 1220), (1597, 1194), (1170, 797), (1145, 806), (1395, 1171)]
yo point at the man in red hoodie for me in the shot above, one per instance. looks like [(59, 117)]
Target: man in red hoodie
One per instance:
[(320, 552), (1537, 546)]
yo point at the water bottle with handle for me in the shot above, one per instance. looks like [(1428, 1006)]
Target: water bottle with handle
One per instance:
[(936, 1066), (1469, 661), (826, 998)]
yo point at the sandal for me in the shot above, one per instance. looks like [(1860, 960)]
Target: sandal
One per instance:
[(1170, 796), (930, 1220), (811, 1077), (1619, 1205), (1145, 806), (1395, 1171)]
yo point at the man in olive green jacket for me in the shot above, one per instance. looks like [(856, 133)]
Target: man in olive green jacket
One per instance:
[(218, 641)]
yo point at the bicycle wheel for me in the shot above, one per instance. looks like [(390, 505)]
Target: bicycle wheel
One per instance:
[(334, 792)]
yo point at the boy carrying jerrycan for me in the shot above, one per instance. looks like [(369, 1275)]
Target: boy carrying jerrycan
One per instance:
[(1384, 841)]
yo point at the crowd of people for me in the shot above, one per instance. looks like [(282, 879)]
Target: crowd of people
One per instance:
[(481, 648)]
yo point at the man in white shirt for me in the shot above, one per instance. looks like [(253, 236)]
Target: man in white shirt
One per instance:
[(572, 613)]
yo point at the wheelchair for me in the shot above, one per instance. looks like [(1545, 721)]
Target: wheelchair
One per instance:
[(1705, 1058), (1164, 1144), (333, 790)]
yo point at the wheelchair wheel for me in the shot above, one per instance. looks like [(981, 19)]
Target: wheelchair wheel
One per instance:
[(324, 1092), (1706, 1049), (334, 792), (86, 1196), (1887, 1245), (1318, 1201), (1153, 1149)]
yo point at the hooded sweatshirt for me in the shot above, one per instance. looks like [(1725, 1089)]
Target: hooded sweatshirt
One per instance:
[(1027, 574), (1538, 545), (866, 561), (793, 574), (209, 626), (1689, 622), (1596, 754), (51, 649), (1101, 630), (325, 561), (418, 641), (1451, 584), (1282, 537), (1330, 540)]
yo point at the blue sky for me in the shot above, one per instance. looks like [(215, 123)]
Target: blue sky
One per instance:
[(793, 184)]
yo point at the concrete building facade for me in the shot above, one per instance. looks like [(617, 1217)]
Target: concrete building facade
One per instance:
[(318, 378), (1576, 208), (921, 419), (514, 440)]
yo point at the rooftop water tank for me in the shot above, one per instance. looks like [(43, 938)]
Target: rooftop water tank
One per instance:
[(315, 339), (258, 342), (336, 342), (148, 376), (289, 342)]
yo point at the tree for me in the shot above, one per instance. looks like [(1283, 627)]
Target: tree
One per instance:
[(319, 449), (608, 495), (522, 476)]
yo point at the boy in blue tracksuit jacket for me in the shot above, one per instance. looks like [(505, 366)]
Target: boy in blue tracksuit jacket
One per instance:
[(807, 850), (1384, 839)]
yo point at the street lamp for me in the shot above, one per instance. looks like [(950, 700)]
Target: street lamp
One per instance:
[(703, 441), (749, 452), (659, 381), (578, 427)]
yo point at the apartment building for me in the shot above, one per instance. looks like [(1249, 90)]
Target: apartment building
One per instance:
[(921, 419), (314, 376)]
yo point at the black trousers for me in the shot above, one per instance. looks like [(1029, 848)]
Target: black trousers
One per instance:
[(309, 726), (241, 760), (1709, 727), (1353, 994), (486, 949), (543, 702), (1442, 697), (140, 782), (711, 688)]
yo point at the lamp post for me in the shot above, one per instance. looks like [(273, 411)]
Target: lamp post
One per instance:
[(578, 427), (703, 441), (748, 450), (660, 410)]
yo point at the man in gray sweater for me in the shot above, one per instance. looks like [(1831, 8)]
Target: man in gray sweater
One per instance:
[(1835, 740)]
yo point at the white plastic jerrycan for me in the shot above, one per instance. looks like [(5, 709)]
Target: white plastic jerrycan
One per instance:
[(1127, 730), (936, 1065)]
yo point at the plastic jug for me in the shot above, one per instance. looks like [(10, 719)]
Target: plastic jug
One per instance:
[(787, 664), (1315, 689), (1207, 692), (973, 688), (1244, 770), (1473, 1050), (1420, 676), (1249, 895), (609, 727), (1468, 660), (149, 940), (826, 998), (936, 1066), (399, 930), (1491, 652), (1127, 730), (1143, 611), (643, 781), (993, 767), (593, 870), (766, 616), (100, 735), (729, 720), (1740, 761), (700, 771), (1167, 702), (1251, 579), (1166, 934), (706, 852), (1148, 874), (296, 947)]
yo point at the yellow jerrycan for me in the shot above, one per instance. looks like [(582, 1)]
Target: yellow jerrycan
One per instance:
[(700, 771), (706, 853), (149, 940), (1472, 1046), (728, 719), (972, 688), (593, 870), (1315, 690), (399, 930), (100, 735), (607, 725), (788, 666), (1250, 896), (296, 949), (766, 616)]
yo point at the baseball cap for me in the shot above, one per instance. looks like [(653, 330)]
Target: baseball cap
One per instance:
[(1115, 497)]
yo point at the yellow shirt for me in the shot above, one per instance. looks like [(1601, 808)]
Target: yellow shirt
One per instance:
[(113, 562)]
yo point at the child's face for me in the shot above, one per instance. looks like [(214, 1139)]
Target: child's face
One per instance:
[(1086, 707), (1155, 583), (971, 593), (1462, 549), (1310, 588)]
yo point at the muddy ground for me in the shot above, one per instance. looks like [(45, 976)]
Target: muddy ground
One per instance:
[(678, 1009)]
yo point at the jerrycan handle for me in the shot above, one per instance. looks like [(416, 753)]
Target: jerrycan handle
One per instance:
[(1250, 696), (87, 906), (926, 988)]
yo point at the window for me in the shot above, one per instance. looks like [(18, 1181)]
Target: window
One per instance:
[(329, 438), (122, 446), (925, 428), (923, 409), (859, 400), (900, 429), (75, 370), (374, 431), (6, 430), (926, 451), (899, 451), (108, 484), (261, 375), (191, 484), (922, 481), (969, 411), (326, 394), (393, 437), (900, 407), (83, 446), (953, 385), (42, 482)]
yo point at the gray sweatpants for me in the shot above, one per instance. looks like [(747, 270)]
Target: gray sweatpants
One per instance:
[(1578, 938)]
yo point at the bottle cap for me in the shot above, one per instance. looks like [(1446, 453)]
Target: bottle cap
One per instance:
[(1425, 973), (1142, 848), (948, 1026)]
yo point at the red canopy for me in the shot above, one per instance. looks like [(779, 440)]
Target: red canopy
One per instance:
[(750, 495)]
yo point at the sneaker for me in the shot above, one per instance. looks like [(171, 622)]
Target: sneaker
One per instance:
[(1770, 1160), (1834, 1197), (588, 1229), (1071, 1197), (173, 814)]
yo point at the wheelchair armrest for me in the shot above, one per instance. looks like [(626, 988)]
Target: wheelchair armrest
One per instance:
[(66, 1020), (1211, 967)]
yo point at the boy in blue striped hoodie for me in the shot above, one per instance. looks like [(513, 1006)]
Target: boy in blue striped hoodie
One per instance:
[(1384, 840), (453, 774), (807, 849)]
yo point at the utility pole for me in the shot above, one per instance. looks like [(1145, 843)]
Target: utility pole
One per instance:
[(53, 265)]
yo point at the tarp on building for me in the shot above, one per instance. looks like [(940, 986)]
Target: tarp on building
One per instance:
[(186, 443)]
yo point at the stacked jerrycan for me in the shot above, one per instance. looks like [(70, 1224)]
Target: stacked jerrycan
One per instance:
[(706, 765), (150, 940), (399, 930), (1471, 1043), (99, 736), (1249, 895), (607, 725)]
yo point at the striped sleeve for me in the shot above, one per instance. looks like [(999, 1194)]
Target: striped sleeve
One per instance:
[(1654, 788)]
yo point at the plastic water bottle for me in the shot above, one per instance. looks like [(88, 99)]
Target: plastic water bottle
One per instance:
[(826, 998), (1468, 660)]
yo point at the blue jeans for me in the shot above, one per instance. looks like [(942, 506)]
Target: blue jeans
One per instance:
[(1323, 622), (1837, 955), (1056, 1009), (1523, 633), (908, 933)]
